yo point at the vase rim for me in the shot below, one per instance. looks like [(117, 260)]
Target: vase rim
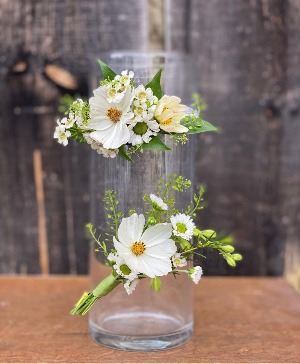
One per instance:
[(145, 54)]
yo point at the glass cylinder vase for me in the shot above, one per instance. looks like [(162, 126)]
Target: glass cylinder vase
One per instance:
[(146, 320)]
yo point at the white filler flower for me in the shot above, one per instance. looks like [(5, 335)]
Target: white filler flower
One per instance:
[(183, 226), (195, 274), (109, 119), (178, 260), (169, 112), (61, 134), (130, 285), (158, 203), (149, 252)]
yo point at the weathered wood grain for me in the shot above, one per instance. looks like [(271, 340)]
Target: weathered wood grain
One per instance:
[(240, 48), (290, 157), (237, 320), (36, 37)]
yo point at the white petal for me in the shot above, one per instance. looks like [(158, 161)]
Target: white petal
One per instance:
[(164, 250), (154, 267), (125, 103), (157, 234), (122, 250), (174, 128), (167, 114), (100, 123), (131, 229), (112, 137)]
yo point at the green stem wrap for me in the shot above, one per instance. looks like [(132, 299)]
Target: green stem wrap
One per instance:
[(106, 286), (88, 299)]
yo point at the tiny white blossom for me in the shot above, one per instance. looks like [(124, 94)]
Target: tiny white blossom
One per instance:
[(109, 153), (178, 260), (114, 95), (112, 257), (195, 273), (98, 147), (61, 134), (183, 226), (70, 121), (130, 285), (158, 203), (125, 77)]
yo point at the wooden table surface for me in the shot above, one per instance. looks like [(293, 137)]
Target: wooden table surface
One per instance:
[(237, 320)]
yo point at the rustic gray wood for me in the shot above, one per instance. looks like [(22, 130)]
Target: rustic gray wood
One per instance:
[(241, 50), (71, 35), (290, 156)]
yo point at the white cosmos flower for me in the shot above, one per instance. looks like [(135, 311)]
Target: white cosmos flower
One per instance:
[(183, 226), (195, 273), (169, 112), (109, 119), (149, 252), (130, 285), (178, 260), (61, 134), (158, 203)]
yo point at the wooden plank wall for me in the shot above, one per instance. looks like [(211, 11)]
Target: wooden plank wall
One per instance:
[(247, 55)]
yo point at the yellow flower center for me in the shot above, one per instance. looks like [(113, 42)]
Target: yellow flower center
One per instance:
[(138, 248), (112, 92), (114, 114), (142, 95), (167, 122)]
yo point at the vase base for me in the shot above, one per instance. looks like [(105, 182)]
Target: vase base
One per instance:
[(144, 342)]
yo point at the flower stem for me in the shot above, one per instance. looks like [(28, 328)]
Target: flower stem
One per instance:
[(89, 298)]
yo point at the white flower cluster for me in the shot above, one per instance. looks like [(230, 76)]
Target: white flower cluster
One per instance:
[(120, 113), (75, 117), (150, 252), (143, 126)]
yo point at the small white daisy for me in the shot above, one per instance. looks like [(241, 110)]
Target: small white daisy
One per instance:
[(143, 131), (147, 252), (130, 285), (183, 226), (158, 203), (178, 260), (195, 273), (61, 134)]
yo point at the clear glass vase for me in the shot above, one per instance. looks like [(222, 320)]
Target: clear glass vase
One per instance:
[(146, 320)]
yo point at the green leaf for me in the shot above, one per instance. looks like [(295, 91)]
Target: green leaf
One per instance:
[(123, 154), (107, 72), (202, 126), (155, 144), (155, 283), (155, 86)]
